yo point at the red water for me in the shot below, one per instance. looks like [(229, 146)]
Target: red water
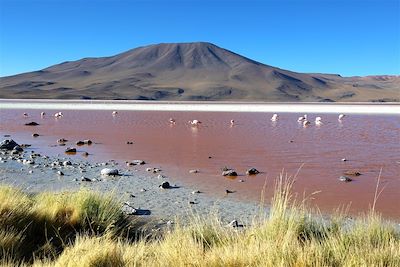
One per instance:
[(369, 142)]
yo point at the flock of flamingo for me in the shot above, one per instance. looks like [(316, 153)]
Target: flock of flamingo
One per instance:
[(303, 119)]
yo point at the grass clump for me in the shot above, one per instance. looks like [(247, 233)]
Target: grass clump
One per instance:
[(92, 232)]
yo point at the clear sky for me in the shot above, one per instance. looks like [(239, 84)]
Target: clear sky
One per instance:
[(348, 37)]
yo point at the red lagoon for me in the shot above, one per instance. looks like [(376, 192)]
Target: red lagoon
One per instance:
[(369, 143)]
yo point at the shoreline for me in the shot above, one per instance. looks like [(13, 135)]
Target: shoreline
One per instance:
[(134, 185), (145, 105)]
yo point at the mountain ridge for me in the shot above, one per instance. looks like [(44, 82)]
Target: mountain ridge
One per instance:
[(191, 71)]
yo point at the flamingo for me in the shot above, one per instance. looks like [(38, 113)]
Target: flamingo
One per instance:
[(114, 113), (58, 115), (341, 116), (172, 120), (306, 123), (274, 117), (302, 118), (42, 114), (318, 121), (232, 122), (195, 122), (25, 114)]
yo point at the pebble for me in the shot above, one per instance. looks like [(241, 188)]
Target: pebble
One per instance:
[(165, 185), (345, 179), (109, 171), (229, 173)]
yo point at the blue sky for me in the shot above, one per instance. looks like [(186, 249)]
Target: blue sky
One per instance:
[(353, 37)]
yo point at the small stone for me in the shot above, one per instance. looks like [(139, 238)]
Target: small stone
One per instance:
[(192, 202), (80, 143), (233, 224), (32, 123), (345, 179), (138, 162), (229, 173), (193, 171), (128, 209), (209, 157), (165, 185), (85, 179), (70, 150), (252, 171), (67, 163), (109, 171), (129, 143), (229, 191), (87, 142), (35, 135), (354, 173)]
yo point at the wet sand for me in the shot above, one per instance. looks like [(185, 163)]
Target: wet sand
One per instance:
[(368, 142)]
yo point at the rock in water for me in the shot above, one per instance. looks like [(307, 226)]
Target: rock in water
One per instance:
[(70, 150), (252, 171), (109, 171), (32, 123), (345, 179), (229, 173), (165, 185), (8, 144)]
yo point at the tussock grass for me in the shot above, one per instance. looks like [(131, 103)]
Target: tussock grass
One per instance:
[(92, 231)]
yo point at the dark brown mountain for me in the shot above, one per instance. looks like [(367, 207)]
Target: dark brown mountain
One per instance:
[(191, 71)]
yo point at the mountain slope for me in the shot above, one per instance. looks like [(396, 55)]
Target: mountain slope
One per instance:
[(191, 71)]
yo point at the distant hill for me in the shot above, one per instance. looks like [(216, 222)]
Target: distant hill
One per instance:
[(191, 71)]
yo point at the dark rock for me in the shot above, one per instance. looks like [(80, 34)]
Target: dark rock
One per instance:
[(80, 143), (18, 148), (252, 171), (129, 143), (35, 135), (8, 144), (354, 173), (345, 179), (32, 123), (165, 185), (70, 150), (233, 224), (229, 191), (85, 179), (62, 140), (229, 173)]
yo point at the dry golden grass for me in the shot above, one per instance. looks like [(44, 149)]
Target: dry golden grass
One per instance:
[(89, 227)]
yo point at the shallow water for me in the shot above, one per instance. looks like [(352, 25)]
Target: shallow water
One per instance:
[(368, 142)]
